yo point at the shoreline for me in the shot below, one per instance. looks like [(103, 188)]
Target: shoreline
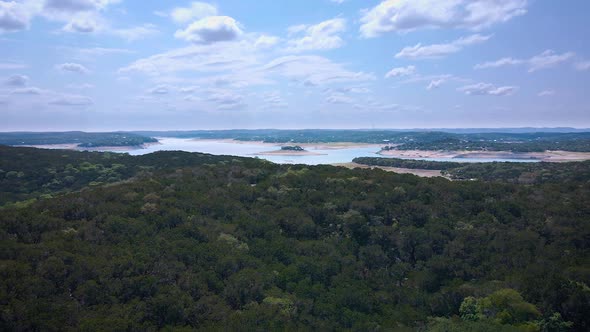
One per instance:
[(547, 156)]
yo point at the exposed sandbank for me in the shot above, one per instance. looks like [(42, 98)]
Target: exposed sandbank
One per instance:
[(427, 173)]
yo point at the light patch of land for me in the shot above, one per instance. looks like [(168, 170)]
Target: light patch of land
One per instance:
[(427, 173), (548, 156)]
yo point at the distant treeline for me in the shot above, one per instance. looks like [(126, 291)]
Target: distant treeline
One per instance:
[(523, 173), (81, 139), (405, 140)]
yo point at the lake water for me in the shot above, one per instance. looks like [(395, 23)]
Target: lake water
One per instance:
[(245, 149)]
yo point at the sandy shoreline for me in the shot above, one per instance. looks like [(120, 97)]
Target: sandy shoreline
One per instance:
[(548, 156), (426, 173)]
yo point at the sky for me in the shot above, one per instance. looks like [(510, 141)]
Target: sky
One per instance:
[(102, 65)]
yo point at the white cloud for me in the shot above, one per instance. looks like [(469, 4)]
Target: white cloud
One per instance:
[(546, 93), (322, 36), (218, 57), (16, 16), (312, 70), (28, 91), (266, 41), (401, 71), (483, 89), (499, 63), (12, 66), (102, 51), (82, 26), (189, 89), (547, 59), (73, 67), (435, 84), (17, 80), (160, 90), (273, 100), (73, 6), (582, 66), (83, 86), (226, 100), (136, 33), (71, 100), (420, 51), (210, 30), (408, 15), (338, 98), (196, 11)]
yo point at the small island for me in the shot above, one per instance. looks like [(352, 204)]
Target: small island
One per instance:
[(289, 150), (292, 148)]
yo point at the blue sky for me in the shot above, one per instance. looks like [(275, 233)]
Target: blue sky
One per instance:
[(128, 64)]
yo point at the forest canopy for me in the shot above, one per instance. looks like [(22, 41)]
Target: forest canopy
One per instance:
[(189, 241)]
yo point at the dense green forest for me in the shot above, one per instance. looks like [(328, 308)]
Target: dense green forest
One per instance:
[(82, 139), (186, 241), (520, 172)]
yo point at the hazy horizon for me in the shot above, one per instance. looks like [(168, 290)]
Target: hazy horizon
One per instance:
[(104, 65)]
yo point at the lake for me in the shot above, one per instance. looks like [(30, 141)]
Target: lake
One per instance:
[(248, 149)]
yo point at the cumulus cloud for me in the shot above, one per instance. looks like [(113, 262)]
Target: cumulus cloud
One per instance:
[(408, 15), (420, 51), (547, 59), (321, 36), (73, 68), (15, 16), (196, 11), (210, 30), (266, 41), (487, 89), (17, 80), (401, 71)]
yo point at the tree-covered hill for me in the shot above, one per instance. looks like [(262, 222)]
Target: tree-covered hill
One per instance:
[(511, 172), (196, 242), (81, 139)]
